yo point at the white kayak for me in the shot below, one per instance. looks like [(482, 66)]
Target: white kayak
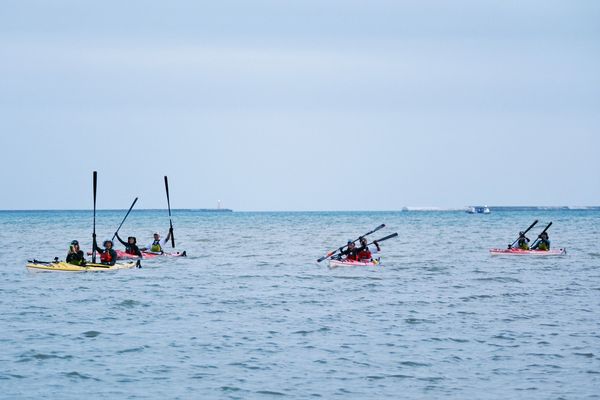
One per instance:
[(348, 263), (519, 252)]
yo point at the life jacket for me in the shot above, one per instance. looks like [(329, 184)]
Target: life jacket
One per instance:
[(364, 254), (131, 250), (156, 247), (544, 245), (523, 244), (105, 257)]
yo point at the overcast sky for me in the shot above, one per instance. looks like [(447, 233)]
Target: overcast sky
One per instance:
[(299, 105)]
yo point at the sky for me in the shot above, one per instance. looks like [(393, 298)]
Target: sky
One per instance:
[(299, 105)]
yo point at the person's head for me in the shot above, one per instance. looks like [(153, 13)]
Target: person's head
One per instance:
[(131, 240), (544, 236), (521, 234), (156, 236), (75, 245), (350, 244), (108, 243), (363, 241)]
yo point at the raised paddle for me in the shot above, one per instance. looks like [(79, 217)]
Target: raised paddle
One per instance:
[(336, 250), (170, 220), (526, 230), (538, 238), (393, 235), (95, 184), (117, 231)]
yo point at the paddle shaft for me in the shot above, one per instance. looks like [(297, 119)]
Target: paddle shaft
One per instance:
[(527, 230), (169, 206), (95, 185), (126, 215), (336, 250)]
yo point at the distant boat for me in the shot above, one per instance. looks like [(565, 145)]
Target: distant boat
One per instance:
[(478, 210)]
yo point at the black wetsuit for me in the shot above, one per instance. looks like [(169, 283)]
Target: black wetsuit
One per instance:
[(76, 258), (130, 248)]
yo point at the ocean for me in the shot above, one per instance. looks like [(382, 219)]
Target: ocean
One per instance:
[(250, 314)]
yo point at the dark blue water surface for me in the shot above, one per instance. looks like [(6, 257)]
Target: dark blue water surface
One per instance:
[(251, 315)]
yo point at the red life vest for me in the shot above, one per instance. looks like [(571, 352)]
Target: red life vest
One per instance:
[(105, 257), (364, 254)]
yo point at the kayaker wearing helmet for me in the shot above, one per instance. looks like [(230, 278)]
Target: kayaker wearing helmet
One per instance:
[(543, 242), (131, 246), (157, 245), (523, 242), (108, 255), (364, 254), (75, 255), (351, 252)]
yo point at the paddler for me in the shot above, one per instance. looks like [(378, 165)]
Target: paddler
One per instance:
[(75, 255), (351, 252), (363, 252), (523, 241), (157, 245), (108, 255), (543, 242), (131, 246)]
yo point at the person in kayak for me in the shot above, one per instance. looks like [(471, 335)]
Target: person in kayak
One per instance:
[(131, 246), (363, 252), (75, 255), (543, 242), (351, 252), (523, 242), (157, 245), (108, 255)]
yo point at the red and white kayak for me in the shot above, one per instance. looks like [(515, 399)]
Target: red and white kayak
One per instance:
[(349, 263), (121, 255), (519, 252)]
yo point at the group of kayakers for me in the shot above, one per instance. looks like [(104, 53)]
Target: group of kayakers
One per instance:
[(361, 253), (542, 243), (108, 255)]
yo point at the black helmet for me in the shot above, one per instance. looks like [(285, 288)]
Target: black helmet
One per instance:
[(74, 243)]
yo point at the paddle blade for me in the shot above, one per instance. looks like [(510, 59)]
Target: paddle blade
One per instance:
[(393, 235)]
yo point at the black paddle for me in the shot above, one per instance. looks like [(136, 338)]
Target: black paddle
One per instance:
[(130, 208), (336, 250), (393, 235), (94, 229), (170, 220), (538, 238), (526, 230)]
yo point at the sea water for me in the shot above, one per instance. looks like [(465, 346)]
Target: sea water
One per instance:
[(250, 314)]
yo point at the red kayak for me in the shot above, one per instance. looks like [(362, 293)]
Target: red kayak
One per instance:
[(519, 252)]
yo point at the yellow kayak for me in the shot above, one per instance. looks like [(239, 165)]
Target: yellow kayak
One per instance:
[(64, 266)]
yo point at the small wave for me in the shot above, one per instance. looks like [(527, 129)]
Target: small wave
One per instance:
[(414, 364), (501, 279), (270, 393), (414, 321), (587, 355), (133, 350), (76, 375), (129, 303), (91, 334)]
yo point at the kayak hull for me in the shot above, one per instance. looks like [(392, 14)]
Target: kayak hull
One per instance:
[(66, 267), (535, 253), (121, 255), (346, 263)]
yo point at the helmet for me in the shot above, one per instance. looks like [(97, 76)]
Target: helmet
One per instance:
[(132, 237), (107, 241), (350, 241), (74, 243)]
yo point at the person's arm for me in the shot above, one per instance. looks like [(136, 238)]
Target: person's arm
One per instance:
[(121, 240), (168, 237), (113, 257), (376, 243), (95, 244), (137, 250)]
